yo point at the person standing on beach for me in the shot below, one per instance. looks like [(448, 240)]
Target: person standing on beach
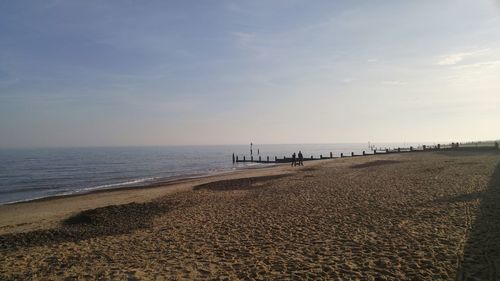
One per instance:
[(293, 160), (301, 159)]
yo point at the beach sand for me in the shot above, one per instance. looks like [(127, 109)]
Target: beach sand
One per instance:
[(411, 216)]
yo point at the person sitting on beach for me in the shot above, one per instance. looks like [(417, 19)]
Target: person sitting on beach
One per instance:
[(301, 159), (293, 160)]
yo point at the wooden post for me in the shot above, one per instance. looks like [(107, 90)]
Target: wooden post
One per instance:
[(423, 147), (320, 156), (364, 153), (233, 159), (331, 155), (259, 159), (411, 148), (275, 158), (341, 155), (244, 159), (375, 151), (439, 146), (267, 159), (251, 158), (311, 157), (387, 150), (352, 153), (236, 158)]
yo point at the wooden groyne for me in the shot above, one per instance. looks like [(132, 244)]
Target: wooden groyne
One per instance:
[(421, 148)]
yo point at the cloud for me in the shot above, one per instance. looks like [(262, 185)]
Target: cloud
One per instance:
[(454, 58), (233, 7), (393, 83), (492, 63), (248, 41), (244, 39), (347, 80)]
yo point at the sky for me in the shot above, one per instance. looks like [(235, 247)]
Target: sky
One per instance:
[(106, 73)]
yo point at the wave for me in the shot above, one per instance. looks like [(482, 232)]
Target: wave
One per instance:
[(126, 183)]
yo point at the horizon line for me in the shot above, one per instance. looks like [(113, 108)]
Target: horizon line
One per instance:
[(238, 144)]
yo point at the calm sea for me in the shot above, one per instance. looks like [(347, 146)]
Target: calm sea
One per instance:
[(27, 174)]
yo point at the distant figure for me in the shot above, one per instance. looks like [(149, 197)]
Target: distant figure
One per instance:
[(301, 159), (294, 163)]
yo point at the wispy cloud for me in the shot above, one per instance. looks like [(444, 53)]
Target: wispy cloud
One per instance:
[(455, 58), (492, 63), (393, 83), (244, 39), (347, 80)]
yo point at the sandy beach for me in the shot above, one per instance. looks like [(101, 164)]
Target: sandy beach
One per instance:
[(411, 216)]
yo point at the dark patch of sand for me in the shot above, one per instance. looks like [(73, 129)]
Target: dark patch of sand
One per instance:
[(110, 220), (374, 163), (237, 184)]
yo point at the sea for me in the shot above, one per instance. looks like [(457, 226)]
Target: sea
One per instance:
[(33, 173)]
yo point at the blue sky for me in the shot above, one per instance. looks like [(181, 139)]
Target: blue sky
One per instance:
[(79, 73)]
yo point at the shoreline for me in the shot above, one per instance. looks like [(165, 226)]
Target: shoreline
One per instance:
[(154, 184), (48, 212)]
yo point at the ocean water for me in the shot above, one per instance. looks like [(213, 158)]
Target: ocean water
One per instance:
[(27, 174)]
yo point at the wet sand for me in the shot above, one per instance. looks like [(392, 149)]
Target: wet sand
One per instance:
[(412, 216)]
